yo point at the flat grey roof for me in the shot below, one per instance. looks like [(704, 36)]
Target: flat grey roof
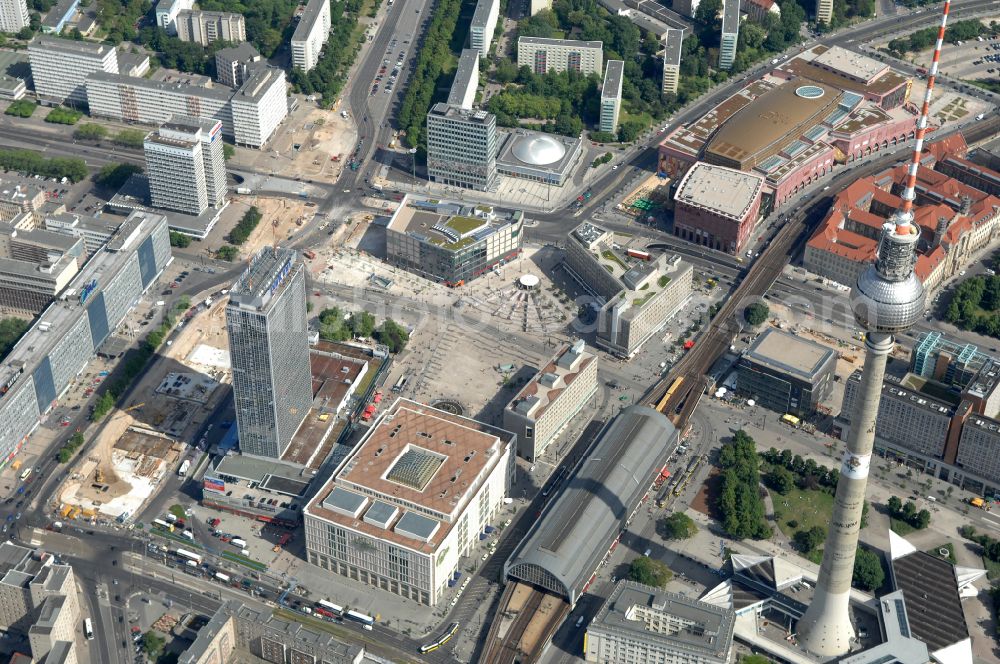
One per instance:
[(241, 52), (673, 42), (127, 60), (260, 80), (190, 123), (468, 66), (267, 271), (612, 88), (707, 629), (308, 19), (565, 545), (724, 191), (547, 41), (177, 87), (789, 353), (60, 44), (482, 14), (730, 16), (417, 526), (58, 13), (255, 470), (342, 500)]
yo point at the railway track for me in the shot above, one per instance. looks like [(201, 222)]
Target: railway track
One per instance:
[(758, 278), (508, 649)]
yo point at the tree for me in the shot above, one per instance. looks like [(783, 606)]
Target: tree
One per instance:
[(179, 240), (678, 526), (780, 479), (11, 330), (227, 252), (228, 151), (392, 335), (362, 324), (756, 313), (649, 572), (868, 572), (332, 326), (130, 138), (895, 505), (807, 540), (113, 176), (152, 644), (90, 131), (922, 520)]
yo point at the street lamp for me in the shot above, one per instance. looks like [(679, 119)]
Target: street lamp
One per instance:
[(413, 164)]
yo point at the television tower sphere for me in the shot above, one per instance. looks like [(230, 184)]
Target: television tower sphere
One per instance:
[(888, 297)]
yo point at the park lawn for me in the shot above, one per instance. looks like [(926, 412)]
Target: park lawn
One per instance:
[(935, 551), (808, 507)]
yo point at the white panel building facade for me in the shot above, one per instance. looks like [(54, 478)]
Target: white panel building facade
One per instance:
[(60, 67), (13, 15), (311, 34)]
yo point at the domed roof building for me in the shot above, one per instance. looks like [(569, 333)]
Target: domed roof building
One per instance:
[(533, 155)]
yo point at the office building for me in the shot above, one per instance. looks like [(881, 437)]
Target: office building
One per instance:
[(824, 11), (673, 43), (13, 15), (232, 64), (67, 334), (462, 148), (93, 231), (185, 165), (730, 33), (59, 67), (611, 95), (450, 242), (311, 34), (249, 115), (28, 578), (259, 106), (204, 27), (59, 15), (637, 292), (483, 25), (786, 373), (167, 11), (17, 196), (35, 266), (551, 399), (236, 630), (55, 623), (466, 81), (12, 88), (269, 350), (418, 489), (640, 624), (717, 207), (544, 55)]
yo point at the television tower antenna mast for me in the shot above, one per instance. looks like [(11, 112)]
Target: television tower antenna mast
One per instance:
[(887, 299)]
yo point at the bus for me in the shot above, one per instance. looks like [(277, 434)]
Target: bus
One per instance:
[(187, 555), (238, 543), (430, 647), (366, 622), (160, 523), (222, 577), (26, 474), (335, 609), (790, 419), (88, 629)]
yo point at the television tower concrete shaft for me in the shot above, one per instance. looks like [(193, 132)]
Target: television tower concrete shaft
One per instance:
[(887, 299)]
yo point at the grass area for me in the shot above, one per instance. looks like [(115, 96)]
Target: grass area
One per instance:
[(986, 84), (22, 108), (936, 552), (188, 544), (609, 255), (639, 301), (366, 380), (178, 511), (663, 280), (463, 225), (66, 116), (240, 559), (900, 527), (805, 508)]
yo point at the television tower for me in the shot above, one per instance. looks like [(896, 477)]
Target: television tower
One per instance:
[(887, 299)]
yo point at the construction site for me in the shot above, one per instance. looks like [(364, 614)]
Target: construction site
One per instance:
[(146, 440), (650, 196)]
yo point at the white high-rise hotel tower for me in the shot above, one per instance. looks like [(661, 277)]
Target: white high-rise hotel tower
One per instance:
[(887, 299)]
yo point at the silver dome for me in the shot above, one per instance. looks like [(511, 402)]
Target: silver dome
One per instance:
[(880, 305), (538, 150)]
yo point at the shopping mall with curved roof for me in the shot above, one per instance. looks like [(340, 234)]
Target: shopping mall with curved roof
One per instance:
[(824, 107)]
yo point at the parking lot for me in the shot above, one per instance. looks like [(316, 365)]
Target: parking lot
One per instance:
[(972, 59)]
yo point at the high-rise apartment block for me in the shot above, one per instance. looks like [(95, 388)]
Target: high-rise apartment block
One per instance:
[(611, 95), (269, 350), (673, 43), (551, 399), (232, 65), (544, 55), (60, 67), (483, 25), (206, 27), (462, 147), (730, 33), (13, 15), (311, 34), (824, 11), (466, 81), (167, 11), (185, 165), (259, 106), (640, 624)]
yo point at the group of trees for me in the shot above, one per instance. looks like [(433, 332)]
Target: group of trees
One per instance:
[(62, 115), (975, 305), (422, 89), (603, 159), (22, 108), (337, 325), (991, 546), (921, 39), (327, 78), (557, 102), (70, 447), (908, 513), (30, 162), (786, 470), (11, 330), (179, 240), (113, 176), (845, 11), (245, 226), (227, 252), (678, 526), (185, 56), (90, 131), (650, 572), (868, 572), (130, 138), (739, 501), (269, 22), (807, 541), (756, 313), (120, 19)]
